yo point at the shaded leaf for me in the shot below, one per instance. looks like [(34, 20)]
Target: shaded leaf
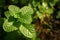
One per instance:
[(7, 14)]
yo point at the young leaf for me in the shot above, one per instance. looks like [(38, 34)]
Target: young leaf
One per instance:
[(41, 8), (40, 15), (49, 11), (27, 30), (8, 26), (14, 10), (44, 4), (26, 9), (52, 2)]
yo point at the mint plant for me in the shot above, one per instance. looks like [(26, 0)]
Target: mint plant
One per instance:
[(44, 10), (20, 20)]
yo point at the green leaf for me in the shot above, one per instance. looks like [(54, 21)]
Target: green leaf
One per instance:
[(26, 9), (34, 3), (49, 10), (27, 30), (27, 19), (52, 2), (41, 8), (14, 10), (7, 14), (44, 4), (40, 15), (8, 26)]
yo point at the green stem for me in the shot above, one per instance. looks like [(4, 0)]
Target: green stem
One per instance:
[(34, 36)]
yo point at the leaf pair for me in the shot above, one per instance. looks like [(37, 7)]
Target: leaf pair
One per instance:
[(26, 30), (23, 14)]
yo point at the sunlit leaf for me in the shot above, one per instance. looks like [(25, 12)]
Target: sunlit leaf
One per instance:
[(26, 9), (27, 30), (49, 11), (14, 10), (40, 15), (9, 27), (27, 19)]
